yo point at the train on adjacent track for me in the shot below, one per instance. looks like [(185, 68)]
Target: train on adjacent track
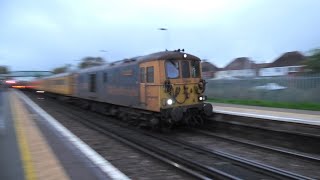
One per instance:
[(162, 89)]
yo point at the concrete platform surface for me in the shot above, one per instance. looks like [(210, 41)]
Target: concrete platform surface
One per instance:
[(33, 145), (280, 114)]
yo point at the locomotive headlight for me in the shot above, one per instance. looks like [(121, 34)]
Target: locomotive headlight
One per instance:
[(169, 101), (202, 98)]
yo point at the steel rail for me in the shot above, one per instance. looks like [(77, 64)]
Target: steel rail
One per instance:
[(271, 148)]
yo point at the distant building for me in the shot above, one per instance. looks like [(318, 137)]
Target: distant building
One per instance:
[(208, 69), (239, 67), (261, 66), (288, 63)]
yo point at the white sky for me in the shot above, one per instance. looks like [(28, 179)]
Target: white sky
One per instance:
[(42, 35)]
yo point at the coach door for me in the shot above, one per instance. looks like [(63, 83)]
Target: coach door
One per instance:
[(92, 86), (149, 85), (142, 86), (72, 80)]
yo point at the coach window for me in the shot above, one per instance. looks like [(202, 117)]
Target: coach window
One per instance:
[(150, 74), (172, 69), (92, 84), (195, 69), (142, 75), (105, 77), (185, 69)]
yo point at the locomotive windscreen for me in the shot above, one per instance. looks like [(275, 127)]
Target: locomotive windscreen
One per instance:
[(173, 67), (195, 69), (185, 69)]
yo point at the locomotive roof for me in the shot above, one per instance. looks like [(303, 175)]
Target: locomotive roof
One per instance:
[(154, 56), (57, 75), (167, 55)]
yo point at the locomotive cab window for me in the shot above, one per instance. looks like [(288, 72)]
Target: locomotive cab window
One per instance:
[(92, 84), (172, 69), (185, 69), (150, 74), (195, 69)]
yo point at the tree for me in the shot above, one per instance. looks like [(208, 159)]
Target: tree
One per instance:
[(62, 69), (4, 70), (313, 61), (90, 62)]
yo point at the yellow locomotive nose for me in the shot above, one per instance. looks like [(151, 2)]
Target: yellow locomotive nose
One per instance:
[(182, 99), (182, 93)]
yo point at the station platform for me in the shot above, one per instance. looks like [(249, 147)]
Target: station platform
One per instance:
[(277, 114), (33, 145)]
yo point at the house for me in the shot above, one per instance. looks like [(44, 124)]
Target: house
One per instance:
[(260, 66), (239, 67), (208, 69), (289, 63)]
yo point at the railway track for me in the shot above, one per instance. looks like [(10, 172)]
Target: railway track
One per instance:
[(191, 159), (135, 164), (270, 135), (261, 146), (195, 160), (232, 160)]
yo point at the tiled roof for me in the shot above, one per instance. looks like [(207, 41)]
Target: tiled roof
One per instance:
[(207, 66), (240, 63), (288, 59)]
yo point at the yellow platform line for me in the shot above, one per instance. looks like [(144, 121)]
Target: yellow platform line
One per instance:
[(26, 158), (38, 159)]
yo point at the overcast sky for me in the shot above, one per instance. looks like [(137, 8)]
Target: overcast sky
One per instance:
[(41, 35)]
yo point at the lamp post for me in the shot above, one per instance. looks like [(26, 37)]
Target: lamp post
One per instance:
[(166, 37)]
